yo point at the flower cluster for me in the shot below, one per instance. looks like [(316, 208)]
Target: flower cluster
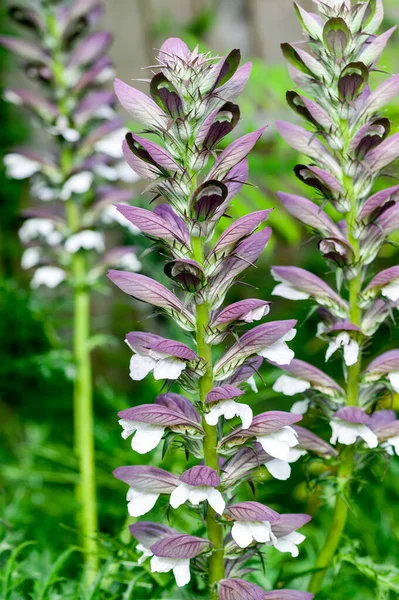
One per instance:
[(191, 108), (348, 145), (77, 177)]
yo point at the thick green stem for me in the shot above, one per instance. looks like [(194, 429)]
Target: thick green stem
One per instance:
[(215, 529)]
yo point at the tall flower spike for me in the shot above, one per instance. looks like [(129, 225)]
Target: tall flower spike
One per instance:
[(192, 107), (79, 180), (348, 145)]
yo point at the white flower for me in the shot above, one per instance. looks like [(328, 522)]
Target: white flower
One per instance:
[(19, 166), (146, 436), (256, 314), (62, 128), (287, 291), (140, 502), (112, 144), (196, 494), (300, 407), (279, 352), (391, 291), (279, 443), (230, 409), (289, 543), (281, 469), (48, 276), (391, 445), (393, 378), (245, 532), (146, 553), (162, 365), (126, 173), (129, 261), (289, 386), (347, 433), (43, 192), (350, 346), (112, 215), (79, 183), (179, 566), (30, 258), (87, 240), (36, 227)]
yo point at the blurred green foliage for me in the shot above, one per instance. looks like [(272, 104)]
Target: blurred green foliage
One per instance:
[(37, 500)]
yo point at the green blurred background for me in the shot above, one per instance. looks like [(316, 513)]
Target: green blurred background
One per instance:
[(38, 469)]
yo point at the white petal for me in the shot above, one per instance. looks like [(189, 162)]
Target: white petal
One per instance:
[(140, 366), (169, 368), (256, 314), (130, 262), (181, 571), (278, 443), (146, 553), (332, 347), (20, 167), (288, 543), (394, 380), (162, 564), (77, 184), (85, 240), (147, 437), (252, 384), (295, 454), (112, 143), (394, 442), (286, 291), (216, 500), (290, 386), (300, 407), (279, 469), (140, 503), (179, 496), (241, 533), (344, 433), (246, 415), (30, 258), (391, 291), (128, 427), (278, 352), (51, 277), (261, 532), (212, 417), (351, 353), (368, 436), (197, 494)]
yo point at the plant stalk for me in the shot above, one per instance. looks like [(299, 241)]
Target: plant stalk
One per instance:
[(215, 529)]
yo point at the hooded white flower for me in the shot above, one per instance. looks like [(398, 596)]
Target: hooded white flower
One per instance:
[(245, 532), (196, 494), (140, 502), (279, 352), (289, 386), (230, 409), (281, 469), (87, 240), (279, 443), (347, 433), (79, 183), (19, 166), (30, 258), (350, 347), (391, 291), (289, 543), (39, 228), (284, 290), (50, 277), (162, 365), (146, 436), (179, 566)]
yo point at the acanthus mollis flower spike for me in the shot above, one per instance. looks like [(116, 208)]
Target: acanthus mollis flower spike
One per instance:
[(174, 552), (148, 423), (146, 484), (239, 589), (267, 340), (221, 403), (197, 485), (385, 366), (350, 423), (299, 284)]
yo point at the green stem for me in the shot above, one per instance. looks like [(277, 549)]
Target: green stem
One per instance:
[(215, 529)]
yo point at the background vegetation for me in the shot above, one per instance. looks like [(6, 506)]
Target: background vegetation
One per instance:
[(39, 556)]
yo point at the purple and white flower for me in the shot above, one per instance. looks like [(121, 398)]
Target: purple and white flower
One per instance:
[(287, 538), (49, 276), (174, 552), (198, 484), (252, 523), (385, 366), (350, 423), (221, 403)]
